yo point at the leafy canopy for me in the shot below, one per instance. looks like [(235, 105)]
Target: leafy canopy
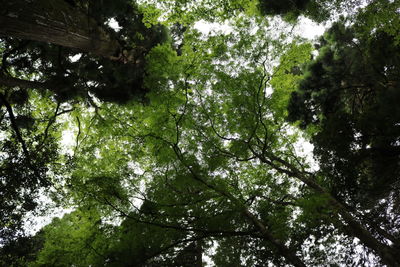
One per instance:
[(210, 164)]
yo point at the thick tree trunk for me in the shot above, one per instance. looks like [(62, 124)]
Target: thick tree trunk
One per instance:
[(57, 22), (355, 228)]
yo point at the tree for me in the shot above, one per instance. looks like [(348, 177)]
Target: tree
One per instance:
[(319, 11), (29, 159), (21, 251), (345, 101), (283, 7), (115, 196), (58, 22), (348, 90), (231, 148), (65, 31), (52, 33)]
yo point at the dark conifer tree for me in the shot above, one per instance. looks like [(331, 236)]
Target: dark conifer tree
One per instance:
[(350, 95)]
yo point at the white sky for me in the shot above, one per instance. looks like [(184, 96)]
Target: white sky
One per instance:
[(306, 28)]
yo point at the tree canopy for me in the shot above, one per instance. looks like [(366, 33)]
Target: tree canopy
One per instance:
[(175, 146)]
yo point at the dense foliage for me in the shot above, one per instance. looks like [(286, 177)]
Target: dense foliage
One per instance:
[(215, 162), (350, 93)]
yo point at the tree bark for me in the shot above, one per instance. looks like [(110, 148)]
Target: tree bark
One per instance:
[(56, 22)]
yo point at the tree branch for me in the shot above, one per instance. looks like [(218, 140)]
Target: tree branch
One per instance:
[(9, 81)]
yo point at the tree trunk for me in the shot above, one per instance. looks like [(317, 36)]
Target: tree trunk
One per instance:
[(9, 81), (354, 227), (387, 254), (56, 22), (198, 254), (289, 255)]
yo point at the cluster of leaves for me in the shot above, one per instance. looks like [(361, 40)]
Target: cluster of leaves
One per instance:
[(319, 11)]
